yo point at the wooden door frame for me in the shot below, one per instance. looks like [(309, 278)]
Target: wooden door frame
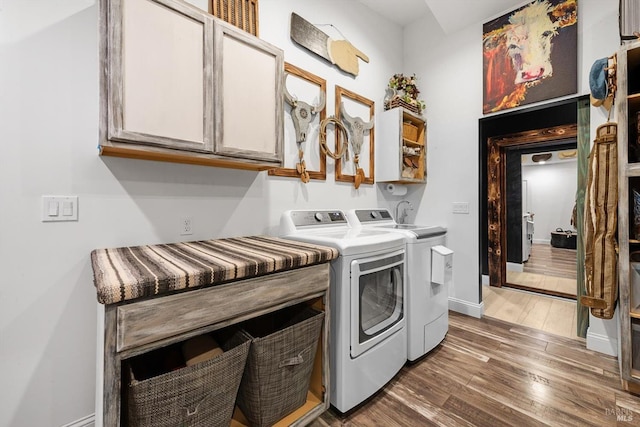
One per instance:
[(496, 184)]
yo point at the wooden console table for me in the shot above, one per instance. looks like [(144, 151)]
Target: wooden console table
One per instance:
[(156, 295)]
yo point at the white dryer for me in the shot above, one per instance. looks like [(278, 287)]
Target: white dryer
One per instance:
[(427, 289), (368, 337)]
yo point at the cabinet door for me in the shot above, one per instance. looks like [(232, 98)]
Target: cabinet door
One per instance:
[(249, 106), (388, 155), (161, 78)]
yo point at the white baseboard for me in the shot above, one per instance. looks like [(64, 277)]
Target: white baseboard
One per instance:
[(602, 343), (514, 266), (485, 280), (88, 421), (466, 307), (542, 241)]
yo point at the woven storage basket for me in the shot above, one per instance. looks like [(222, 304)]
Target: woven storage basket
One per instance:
[(202, 395), (278, 371)]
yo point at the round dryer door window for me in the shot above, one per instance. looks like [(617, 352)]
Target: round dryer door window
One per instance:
[(377, 309)]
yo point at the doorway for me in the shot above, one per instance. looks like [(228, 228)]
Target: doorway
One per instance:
[(550, 115), (498, 147)]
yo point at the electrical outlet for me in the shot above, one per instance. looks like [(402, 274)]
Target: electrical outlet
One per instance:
[(186, 226)]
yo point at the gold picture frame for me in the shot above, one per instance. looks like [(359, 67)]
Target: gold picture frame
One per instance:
[(341, 95), (320, 174)]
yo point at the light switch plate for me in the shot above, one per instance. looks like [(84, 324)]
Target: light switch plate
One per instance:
[(59, 208)]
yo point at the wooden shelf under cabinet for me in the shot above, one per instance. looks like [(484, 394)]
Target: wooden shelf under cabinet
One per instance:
[(175, 156)]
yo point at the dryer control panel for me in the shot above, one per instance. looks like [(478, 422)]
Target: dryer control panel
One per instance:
[(373, 215)]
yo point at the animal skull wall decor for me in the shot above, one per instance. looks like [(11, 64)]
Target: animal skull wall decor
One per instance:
[(358, 127), (301, 112)]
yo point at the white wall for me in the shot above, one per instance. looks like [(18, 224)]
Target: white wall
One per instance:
[(449, 71), (49, 128), (551, 192), (49, 110)]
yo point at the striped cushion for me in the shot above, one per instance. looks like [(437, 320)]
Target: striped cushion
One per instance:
[(127, 273)]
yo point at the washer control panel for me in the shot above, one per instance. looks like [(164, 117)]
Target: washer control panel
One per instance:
[(302, 218)]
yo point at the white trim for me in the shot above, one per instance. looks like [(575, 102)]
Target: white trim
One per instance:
[(514, 266), (602, 343), (88, 421), (466, 307), (99, 405), (542, 241), (485, 280)]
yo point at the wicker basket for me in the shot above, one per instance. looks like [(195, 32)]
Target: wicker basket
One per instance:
[(396, 101), (278, 370), (243, 14), (202, 395), (410, 131)]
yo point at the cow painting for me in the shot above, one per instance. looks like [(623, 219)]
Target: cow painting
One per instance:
[(530, 54)]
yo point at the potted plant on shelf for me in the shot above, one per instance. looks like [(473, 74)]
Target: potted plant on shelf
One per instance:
[(403, 92)]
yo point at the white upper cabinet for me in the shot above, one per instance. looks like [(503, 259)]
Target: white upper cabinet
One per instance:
[(180, 85), (249, 105), (160, 75)]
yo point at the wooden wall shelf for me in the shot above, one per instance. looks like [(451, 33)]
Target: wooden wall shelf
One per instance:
[(401, 155)]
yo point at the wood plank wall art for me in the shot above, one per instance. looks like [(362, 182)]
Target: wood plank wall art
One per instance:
[(356, 106), (341, 53), (311, 89)]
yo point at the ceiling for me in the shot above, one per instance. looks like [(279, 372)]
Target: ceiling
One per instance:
[(452, 15)]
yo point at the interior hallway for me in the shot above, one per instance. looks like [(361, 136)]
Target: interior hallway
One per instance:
[(550, 261), (549, 270)]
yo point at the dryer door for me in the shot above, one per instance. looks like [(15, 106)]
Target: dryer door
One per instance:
[(377, 299)]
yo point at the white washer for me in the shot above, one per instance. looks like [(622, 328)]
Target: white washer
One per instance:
[(427, 301), (368, 343)]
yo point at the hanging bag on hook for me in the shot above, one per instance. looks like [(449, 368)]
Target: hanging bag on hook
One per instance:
[(600, 224)]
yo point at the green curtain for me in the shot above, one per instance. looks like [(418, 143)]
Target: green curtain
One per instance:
[(584, 145)]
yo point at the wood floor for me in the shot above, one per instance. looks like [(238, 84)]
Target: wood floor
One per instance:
[(553, 315), (549, 270), (550, 261), (491, 373), (550, 285)]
